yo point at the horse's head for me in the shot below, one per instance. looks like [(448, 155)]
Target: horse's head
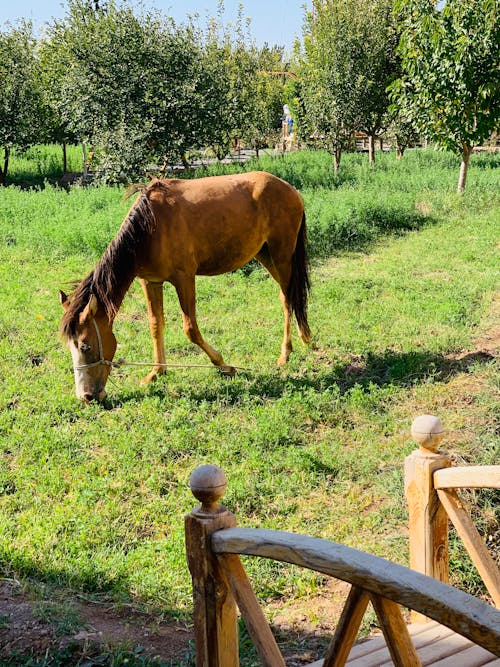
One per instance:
[(92, 344)]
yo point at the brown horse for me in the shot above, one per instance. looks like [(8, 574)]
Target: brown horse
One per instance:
[(174, 231)]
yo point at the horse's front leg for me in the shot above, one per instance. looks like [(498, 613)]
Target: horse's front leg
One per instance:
[(154, 299), (186, 291)]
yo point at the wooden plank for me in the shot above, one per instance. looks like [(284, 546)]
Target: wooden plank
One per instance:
[(399, 643), (214, 614), (424, 633), (347, 628), (432, 641), (439, 649), (255, 621), (374, 658), (473, 542), (366, 646), (422, 636), (468, 477), (460, 611), (475, 656)]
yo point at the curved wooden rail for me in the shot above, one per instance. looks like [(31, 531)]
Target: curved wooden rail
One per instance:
[(468, 477), (457, 610)]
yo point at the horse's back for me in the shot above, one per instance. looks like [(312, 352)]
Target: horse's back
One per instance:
[(222, 190)]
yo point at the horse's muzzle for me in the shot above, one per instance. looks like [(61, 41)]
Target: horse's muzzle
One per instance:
[(99, 396)]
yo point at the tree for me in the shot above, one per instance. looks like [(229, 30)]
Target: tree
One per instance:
[(349, 60), (176, 90), (99, 52), (327, 78), (231, 66), (142, 89), (451, 72), (54, 128), (402, 130), (377, 66), (20, 101), (268, 93)]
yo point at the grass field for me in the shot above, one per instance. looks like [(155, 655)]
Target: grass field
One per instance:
[(404, 278)]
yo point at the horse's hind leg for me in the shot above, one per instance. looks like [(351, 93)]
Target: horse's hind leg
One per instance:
[(282, 277), (186, 291), (154, 299)]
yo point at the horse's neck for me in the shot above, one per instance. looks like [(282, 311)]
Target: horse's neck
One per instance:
[(117, 267)]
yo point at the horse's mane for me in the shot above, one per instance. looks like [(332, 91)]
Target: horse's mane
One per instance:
[(117, 265)]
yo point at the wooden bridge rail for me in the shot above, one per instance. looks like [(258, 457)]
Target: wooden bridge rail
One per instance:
[(220, 583)]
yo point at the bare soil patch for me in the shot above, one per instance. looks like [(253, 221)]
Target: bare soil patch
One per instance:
[(29, 627)]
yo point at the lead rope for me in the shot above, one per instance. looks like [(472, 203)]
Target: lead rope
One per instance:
[(122, 362)]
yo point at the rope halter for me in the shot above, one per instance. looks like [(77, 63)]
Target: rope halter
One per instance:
[(101, 360)]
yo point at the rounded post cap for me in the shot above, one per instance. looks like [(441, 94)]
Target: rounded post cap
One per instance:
[(427, 430), (208, 483)]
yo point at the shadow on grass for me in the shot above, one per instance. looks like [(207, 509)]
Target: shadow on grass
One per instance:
[(391, 368)]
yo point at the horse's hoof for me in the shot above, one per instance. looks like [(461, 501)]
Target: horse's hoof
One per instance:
[(282, 361), (227, 371), (150, 377)]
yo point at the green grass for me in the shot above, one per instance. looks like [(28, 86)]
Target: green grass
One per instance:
[(40, 164), (92, 498)]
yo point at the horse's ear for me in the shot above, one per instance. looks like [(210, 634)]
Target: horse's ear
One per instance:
[(90, 310), (63, 300)]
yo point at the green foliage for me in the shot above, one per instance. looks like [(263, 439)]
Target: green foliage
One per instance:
[(143, 90), (349, 60)]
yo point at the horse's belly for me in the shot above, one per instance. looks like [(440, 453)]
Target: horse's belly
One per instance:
[(223, 261)]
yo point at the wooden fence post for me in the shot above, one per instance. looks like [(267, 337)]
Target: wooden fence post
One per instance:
[(215, 619), (427, 519)]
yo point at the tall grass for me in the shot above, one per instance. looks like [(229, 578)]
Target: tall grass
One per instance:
[(345, 212)]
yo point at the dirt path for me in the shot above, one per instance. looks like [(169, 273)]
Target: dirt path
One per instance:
[(82, 630)]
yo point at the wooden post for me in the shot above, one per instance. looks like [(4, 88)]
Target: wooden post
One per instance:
[(428, 522), (215, 619)]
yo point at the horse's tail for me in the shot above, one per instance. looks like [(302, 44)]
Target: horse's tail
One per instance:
[(299, 286)]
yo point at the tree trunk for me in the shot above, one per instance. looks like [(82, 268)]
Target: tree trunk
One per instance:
[(337, 154), (371, 149), (400, 149), (84, 159), (5, 169), (65, 158), (467, 150)]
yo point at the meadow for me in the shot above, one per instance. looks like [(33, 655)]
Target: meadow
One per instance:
[(404, 300)]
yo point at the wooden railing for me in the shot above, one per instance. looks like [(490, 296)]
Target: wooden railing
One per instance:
[(430, 486), (220, 583)]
